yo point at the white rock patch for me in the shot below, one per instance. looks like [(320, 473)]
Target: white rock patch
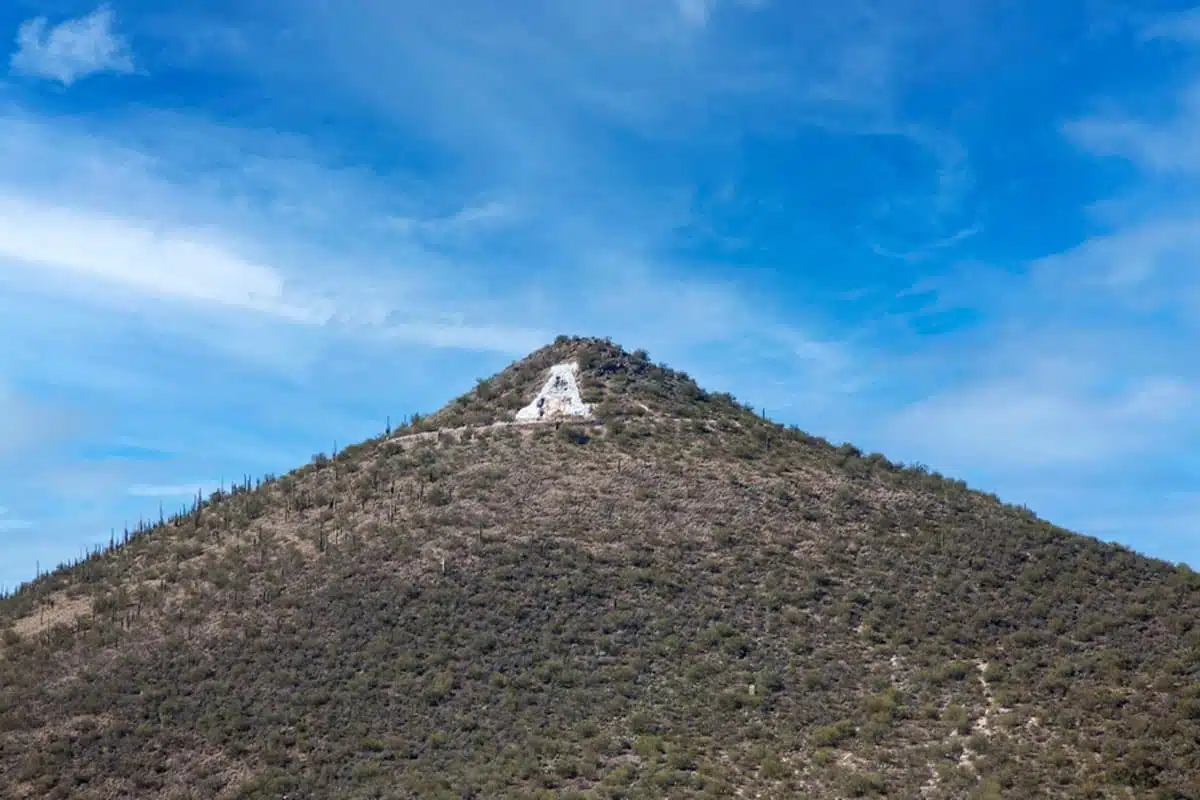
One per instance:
[(558, 398)]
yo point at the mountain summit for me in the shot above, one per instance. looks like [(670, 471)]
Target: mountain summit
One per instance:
[(589, 577), (612, 383)]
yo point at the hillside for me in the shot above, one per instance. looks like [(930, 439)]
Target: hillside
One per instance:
[(660, 594)]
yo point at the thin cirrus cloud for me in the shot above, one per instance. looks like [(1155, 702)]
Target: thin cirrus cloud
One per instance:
[(696, 12), (1015, 425), (1144, 258), (1163, 149), (173, 491), (9, 523), (1181, 26), (126, 254), (72, 49)]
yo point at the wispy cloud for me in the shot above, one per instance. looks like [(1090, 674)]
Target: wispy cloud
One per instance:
[(1021, 423), (126, 254), (696, 12), (1182, 26), (27, 424), (1145, 264), (466, 221), (1162, 148), (1145, 258), (8, 523), (930, 249), (174, 490), (73, 49)]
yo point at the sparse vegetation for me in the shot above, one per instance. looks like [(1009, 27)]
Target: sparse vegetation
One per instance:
[(681, 600)]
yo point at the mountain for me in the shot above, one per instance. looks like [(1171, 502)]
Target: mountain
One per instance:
[(632, 588)]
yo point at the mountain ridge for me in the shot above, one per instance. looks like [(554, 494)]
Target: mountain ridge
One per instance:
[(675, 597)]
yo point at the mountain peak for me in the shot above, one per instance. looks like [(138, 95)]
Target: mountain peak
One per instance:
[(583, 378)]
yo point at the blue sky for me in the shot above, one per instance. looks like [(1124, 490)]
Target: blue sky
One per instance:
[(958, 232)]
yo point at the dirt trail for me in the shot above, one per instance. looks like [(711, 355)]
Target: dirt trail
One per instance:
[(458, 431)]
